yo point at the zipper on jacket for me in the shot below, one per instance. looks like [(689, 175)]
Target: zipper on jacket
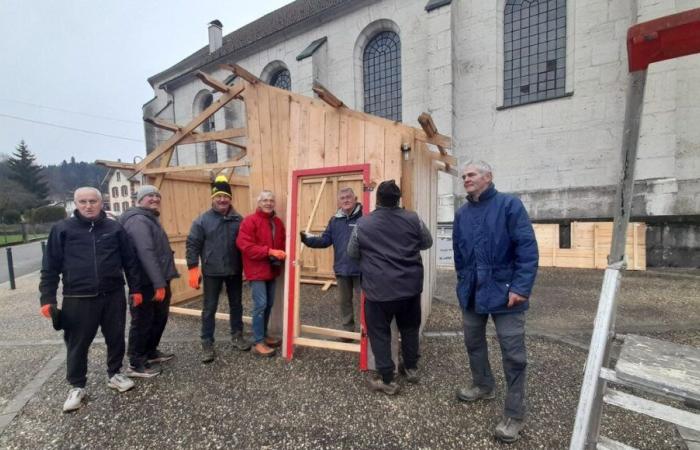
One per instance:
[(94, 259)]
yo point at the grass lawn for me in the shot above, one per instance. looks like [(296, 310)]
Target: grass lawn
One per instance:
[(7, 239)]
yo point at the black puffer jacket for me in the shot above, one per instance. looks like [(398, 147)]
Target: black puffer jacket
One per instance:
[(151, 245), (213, 239), (89, 256)]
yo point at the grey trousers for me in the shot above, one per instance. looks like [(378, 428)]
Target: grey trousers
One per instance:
[(347, 287), (510, 329)]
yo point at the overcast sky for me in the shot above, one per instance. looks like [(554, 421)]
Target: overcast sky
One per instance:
[(83, 64)]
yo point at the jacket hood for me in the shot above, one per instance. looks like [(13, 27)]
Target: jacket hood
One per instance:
[(355, 212)]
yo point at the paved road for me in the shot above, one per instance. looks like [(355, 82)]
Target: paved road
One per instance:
[(26, 259)]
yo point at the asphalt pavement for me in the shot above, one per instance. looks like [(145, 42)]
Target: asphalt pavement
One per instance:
[(26, 259)]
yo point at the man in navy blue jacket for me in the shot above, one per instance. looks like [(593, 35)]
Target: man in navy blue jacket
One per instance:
[(337, 234), (496, 260)]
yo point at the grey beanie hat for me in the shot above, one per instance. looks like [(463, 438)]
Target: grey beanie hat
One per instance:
[(145, 190)]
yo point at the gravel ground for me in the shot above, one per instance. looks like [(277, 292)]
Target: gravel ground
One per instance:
[(320, 400)]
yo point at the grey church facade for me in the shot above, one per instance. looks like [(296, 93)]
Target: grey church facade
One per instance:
[(535, 87)]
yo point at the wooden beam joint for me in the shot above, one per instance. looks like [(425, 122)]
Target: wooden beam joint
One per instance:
[(240, 72), (326, 95), (212, 82)]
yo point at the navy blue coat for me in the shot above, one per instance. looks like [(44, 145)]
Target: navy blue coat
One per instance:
[(337, 234), (495, 252)]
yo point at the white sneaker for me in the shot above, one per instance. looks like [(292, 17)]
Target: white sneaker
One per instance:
[(120, 382), (74, 400)]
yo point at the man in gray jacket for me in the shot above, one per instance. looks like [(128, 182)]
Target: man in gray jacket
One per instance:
[(387, 244), (150, 315), (212, 240)]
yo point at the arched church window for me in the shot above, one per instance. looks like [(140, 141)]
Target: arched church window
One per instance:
[(381, 68)]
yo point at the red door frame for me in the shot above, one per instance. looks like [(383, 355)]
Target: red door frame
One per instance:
[(294, 231)]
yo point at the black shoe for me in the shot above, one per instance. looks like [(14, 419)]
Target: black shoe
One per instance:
[(239, 342), (159, 357), (208, 353)]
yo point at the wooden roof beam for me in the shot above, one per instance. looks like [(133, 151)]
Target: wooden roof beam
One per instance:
[(426, 122), (197, 121), (240, 72), (212, 82), (197, 136), (176, 169), (326, 95)]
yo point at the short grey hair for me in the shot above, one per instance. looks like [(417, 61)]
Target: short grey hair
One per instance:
[(86, 189), (344, 190), (264, 194), (483, 166)]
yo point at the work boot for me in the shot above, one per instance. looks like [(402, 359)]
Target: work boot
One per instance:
[(208, 353), (475, 393), (74, 400), (378, 385), (239, 342), (261, 349), (411, 375), (508, 429), (272, 342)]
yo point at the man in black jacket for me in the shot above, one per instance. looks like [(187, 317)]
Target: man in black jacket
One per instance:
[(89, 252), (212, 240), (337, 234), (387, 244), (149, 317)]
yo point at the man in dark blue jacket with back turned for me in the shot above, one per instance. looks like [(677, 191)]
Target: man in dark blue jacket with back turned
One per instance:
[(337, 234), (496, 260)]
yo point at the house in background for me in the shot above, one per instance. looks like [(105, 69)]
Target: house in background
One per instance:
[(118, 187), (536, 88)]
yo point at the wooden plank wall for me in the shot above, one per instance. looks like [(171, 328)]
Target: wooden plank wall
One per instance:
[(182, 201), (590, 245), (287, 131)]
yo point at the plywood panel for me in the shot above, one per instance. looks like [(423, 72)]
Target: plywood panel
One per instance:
[(590, 245)]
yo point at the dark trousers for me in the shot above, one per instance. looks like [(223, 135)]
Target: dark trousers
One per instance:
[(147, 325), (510, 329), (234, 291), (378, 316), (80, 318), (347, 288)]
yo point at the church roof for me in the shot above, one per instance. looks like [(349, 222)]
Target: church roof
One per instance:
[(237, 41)]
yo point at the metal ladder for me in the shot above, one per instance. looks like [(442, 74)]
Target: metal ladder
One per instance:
[(645, 364)]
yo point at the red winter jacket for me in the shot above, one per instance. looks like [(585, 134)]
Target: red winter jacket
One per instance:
[(255, 239)]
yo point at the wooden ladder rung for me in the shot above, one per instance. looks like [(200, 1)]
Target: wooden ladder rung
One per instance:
[(652, 409)]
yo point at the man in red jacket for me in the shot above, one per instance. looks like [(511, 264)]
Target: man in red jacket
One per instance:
[(261, 240)]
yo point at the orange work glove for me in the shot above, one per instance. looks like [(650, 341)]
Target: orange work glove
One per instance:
[(46, 311), (137, 299), (277, 254), (160, 294), (195, 277)]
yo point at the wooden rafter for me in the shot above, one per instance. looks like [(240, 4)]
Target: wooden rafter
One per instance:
[(438, 140), (240, 72), (187, 129), (426, 122), (326, 95), (212, 82), (197, 136), (175, 169)]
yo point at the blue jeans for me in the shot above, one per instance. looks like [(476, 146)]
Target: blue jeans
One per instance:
[(263, 299), (510, 329)]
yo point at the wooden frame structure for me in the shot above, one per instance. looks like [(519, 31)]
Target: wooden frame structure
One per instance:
[(293, 328), (285, 132)]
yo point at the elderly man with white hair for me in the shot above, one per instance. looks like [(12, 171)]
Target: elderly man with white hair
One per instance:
[(496, 260), (90, 254)]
